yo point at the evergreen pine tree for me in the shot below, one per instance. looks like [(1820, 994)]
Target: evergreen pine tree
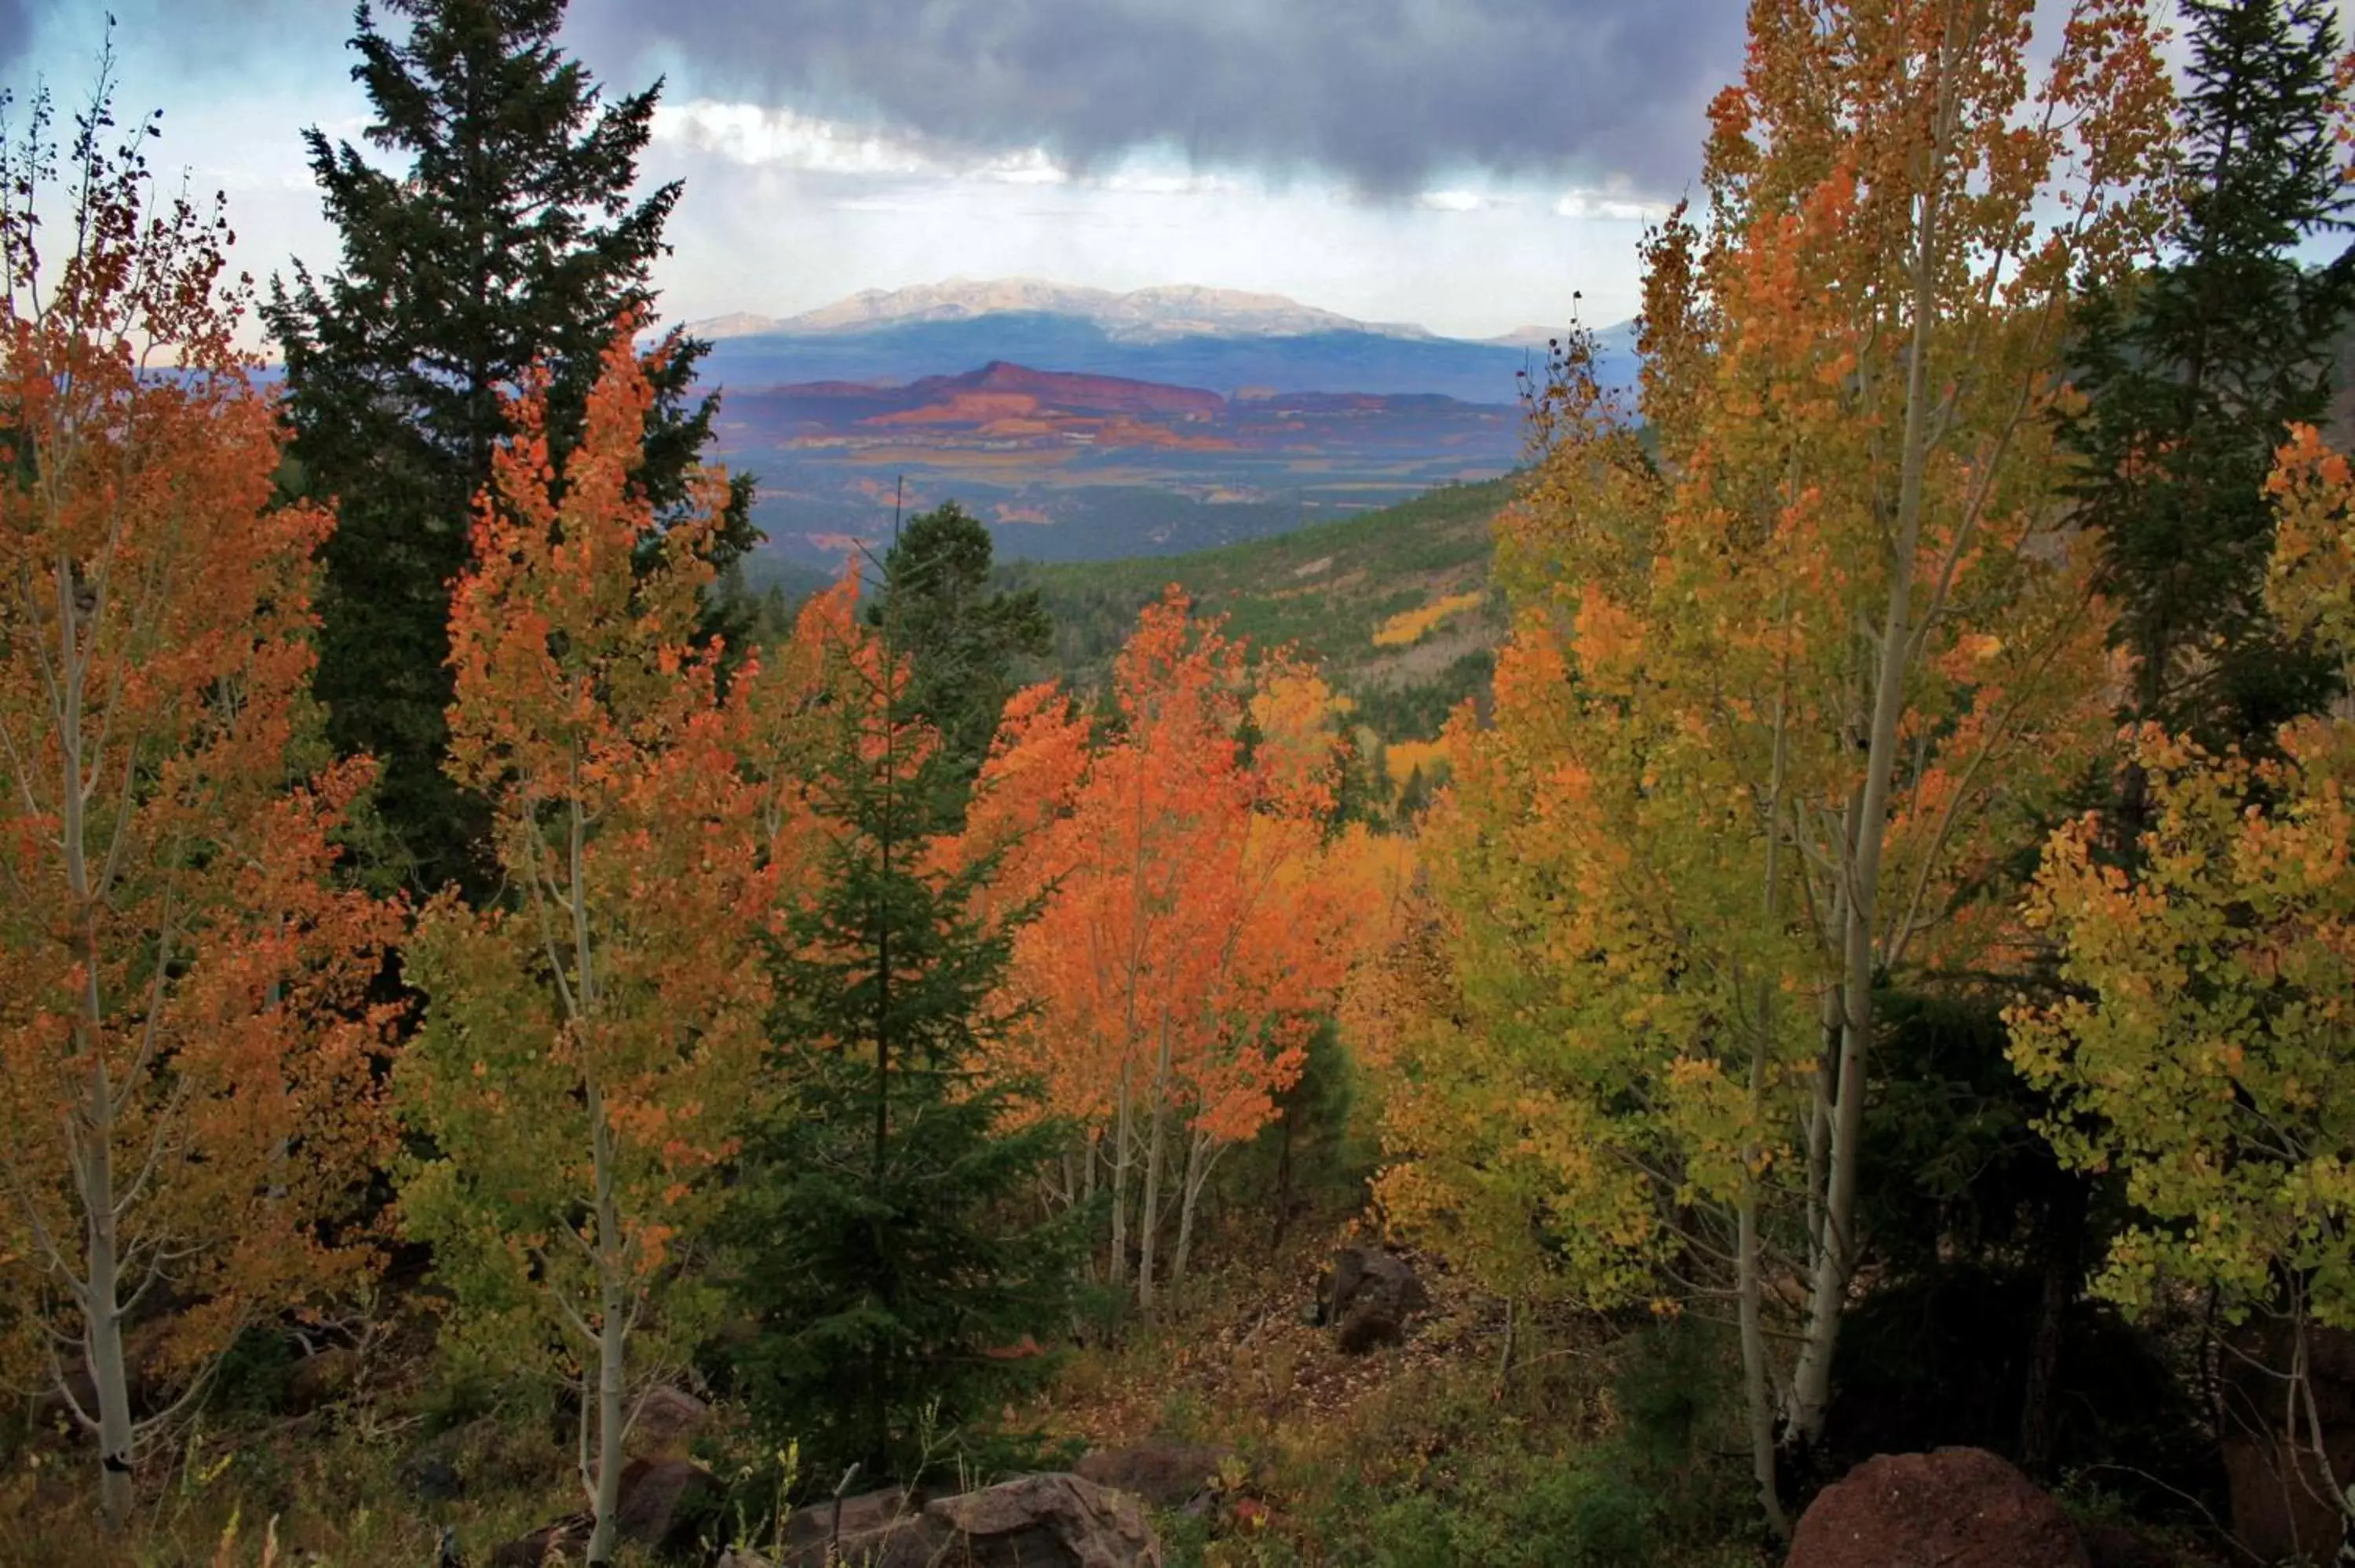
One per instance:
[(510, 237), (888, 1227), (959, 637), (2192, 376)]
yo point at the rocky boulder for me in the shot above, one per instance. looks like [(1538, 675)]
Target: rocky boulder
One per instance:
[(1954, 1507), (2281, 1488), (1166, 1475), (1049, 1521), (873, 1527), (666, 1505), (666, 1419), (1371, 1294), (1031, 1521)]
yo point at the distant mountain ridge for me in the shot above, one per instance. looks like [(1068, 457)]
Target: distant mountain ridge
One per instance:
[(1141, 315), (1180, 334)]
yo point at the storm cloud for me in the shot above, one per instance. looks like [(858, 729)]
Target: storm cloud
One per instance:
[(16, 30), (1386, 94)]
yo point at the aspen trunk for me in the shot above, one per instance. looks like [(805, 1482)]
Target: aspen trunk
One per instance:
[(1819, 1116), (99, 1293), (1120, 1144), (101, 1296), (1198, 1171), (1836, 1259), (1749, 1290), (1757, 1396), (1149, 1224), (612, 1300), (613, 1372)]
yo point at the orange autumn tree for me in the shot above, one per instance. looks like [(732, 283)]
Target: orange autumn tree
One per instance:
[(1191, 935), (1794, 676), (187, 1107), (591, 1043)]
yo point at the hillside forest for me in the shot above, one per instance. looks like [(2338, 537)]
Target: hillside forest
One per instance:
[(1813, 921)]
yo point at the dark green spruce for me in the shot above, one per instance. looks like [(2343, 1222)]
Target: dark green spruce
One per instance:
[(889, 1233), (960, 638), (489, 225), (2193, 371)]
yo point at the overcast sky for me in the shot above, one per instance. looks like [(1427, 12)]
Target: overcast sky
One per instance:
[(1460, 164)]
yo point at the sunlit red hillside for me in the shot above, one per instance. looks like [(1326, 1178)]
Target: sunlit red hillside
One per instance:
[(1074, 466), (1004, 404)]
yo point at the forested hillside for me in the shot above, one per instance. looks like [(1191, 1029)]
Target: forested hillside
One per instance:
[(1769, 990), (1395, 605)]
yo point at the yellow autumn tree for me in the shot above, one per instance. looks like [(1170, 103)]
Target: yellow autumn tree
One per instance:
[(1791, 677), (2204, 1051)]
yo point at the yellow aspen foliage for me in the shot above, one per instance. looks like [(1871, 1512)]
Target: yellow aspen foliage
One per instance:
[(1408, 627), (1794, 675), (2206, 1052)]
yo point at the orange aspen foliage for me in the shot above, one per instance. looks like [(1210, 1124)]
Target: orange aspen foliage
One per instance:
[(1191, 933), (788, 715), (186, 1064), (591, 1045)]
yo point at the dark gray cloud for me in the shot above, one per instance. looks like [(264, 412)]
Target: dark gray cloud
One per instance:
[(16, 29), (1386, 93)]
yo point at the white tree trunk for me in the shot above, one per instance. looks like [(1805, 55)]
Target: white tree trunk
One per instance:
[(613, 1346), (1122, 1136), (98, 1291), (1835, 1257), (101, 1294), (1149, 1224), (1200, 1156)]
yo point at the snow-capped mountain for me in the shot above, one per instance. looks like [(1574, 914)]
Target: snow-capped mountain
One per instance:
[(1141, 315)]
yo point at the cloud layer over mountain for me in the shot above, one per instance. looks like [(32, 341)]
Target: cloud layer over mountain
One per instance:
[(833, 145), (1386, 93)]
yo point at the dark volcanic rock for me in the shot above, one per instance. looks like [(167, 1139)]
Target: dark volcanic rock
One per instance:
[(1956, 1508), (666, 1418), (663, 1502)]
